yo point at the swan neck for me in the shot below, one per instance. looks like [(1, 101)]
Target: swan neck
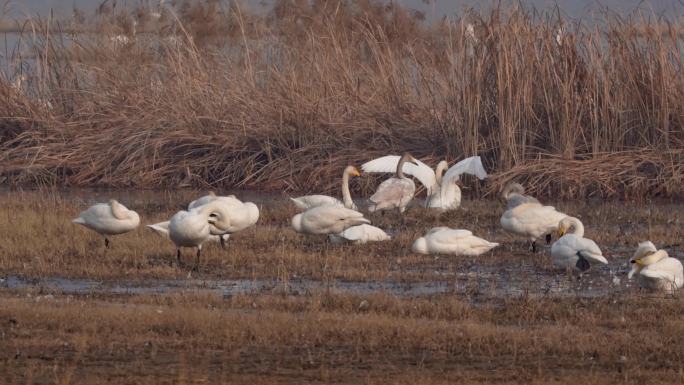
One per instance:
[(400, 166), (439, 171), (346, 194), (577, 227)]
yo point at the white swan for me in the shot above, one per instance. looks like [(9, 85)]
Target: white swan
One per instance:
[(442, 191), (514, 195), (162, 229), (109, 219), (444, 240), (194, 227), (572, 250), (655, 269), (528, 218), (328, 219), (238, 215), (309, 201), (360, 234), (395, 192)]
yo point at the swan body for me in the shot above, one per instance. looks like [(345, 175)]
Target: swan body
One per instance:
[(162, 229), (443, 192), (655, 269), (309, 201), (531, 220), (194, 227), (110, 218), (572, 250), (395, 192), (238, 215), (444, 240), (360, 234), (330, 219)]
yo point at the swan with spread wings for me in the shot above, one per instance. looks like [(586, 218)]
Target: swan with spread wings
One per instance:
[(443, 192)]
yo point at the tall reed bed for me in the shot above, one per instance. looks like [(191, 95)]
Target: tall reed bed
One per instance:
[(208, 94)]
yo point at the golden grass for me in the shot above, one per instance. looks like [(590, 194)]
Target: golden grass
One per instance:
[(40, 240), (324, 338), (212, 95)]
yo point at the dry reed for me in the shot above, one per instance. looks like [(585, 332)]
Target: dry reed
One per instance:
[(209, 94)]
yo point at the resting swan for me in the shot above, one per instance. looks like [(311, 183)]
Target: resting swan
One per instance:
[(162, 228), (109, 219), (442, 191), (444, 240), (527, 217), (395, 192), (572, 250), (328, 219), (194, 227), (655, 269), (360, 234), (309, 201)]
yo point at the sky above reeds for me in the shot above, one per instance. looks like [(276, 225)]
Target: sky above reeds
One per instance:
[(433, 9)]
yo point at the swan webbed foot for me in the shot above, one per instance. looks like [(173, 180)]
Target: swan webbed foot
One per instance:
[(548, 239)]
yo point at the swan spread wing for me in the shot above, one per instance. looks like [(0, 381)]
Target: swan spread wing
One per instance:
[(472, 166), (389, 163)]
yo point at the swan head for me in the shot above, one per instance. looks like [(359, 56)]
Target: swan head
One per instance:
[(352, 171), (297, 223), (409, 158), (567, 224), (512, 188), (420, 246), (647, 254)]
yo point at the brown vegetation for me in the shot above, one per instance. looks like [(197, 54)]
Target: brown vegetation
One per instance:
[(212, 95), (328, 338)]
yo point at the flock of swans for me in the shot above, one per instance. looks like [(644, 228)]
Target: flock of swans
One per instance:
[(213, 218)]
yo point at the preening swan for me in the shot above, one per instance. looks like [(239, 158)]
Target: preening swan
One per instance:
[(109, 219), (572, 250), (360, 234), (162, 228), (444, 240), (514, 195), (194, 227), (329, 219), (442, 191), (531, 220), (395, 192), (655, 269), (446, 195), (238, 215), (309, 201)]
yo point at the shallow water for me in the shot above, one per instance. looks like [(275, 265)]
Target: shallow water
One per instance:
[(481, 283)]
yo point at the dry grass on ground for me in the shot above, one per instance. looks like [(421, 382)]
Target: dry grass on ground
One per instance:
[(40, 240), (325, 338)]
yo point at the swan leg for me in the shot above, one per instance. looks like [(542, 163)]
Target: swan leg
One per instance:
[(534, 246), (178, 256), (199, 253), (223, 241), (548, 239), (106, 243), (582, 264)]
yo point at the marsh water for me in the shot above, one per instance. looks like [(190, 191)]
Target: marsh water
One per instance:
[(477, 279)]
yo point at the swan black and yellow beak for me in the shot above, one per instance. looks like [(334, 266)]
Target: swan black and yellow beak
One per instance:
[(560, 232), (356, 172), (637, 261)]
